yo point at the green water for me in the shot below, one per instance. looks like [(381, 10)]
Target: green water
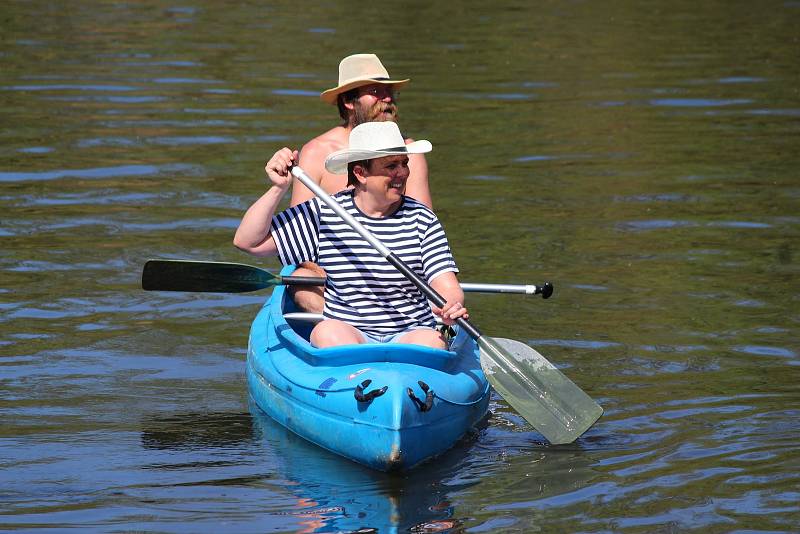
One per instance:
[(642, 156)]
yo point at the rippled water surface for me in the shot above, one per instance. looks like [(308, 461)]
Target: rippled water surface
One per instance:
[(642, 156)]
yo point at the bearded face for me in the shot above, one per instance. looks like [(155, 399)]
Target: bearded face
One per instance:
[(368, 108)]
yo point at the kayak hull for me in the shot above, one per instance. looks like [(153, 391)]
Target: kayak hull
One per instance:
[(430, 398)]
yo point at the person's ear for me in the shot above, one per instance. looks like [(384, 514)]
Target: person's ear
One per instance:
[(360, 172)]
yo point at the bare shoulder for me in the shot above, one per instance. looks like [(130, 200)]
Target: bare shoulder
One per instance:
[(312, 160), (318, 148)]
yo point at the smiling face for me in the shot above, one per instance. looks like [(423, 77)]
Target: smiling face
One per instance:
[(382, 182)]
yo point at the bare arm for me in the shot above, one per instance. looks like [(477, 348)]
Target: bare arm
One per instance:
[(417, 184), (447, 286), (312, 160), (253, 235)]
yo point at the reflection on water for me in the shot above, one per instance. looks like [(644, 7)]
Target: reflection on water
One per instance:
[(325, 491), (344, 496), (330, 494), (190, 431), (643, 159)]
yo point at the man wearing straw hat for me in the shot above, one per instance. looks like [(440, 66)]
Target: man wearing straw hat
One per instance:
[(365, 93), (367, 300)]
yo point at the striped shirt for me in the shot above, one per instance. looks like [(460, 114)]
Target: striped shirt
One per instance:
[(362, 287)]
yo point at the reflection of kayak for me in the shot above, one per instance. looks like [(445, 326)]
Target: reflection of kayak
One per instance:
[(333, 495), (333, 398)]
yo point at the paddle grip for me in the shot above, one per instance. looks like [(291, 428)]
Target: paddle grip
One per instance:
[(429, 292), (546, 290)]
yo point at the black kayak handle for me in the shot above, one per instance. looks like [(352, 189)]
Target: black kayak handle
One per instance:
[(362, 397), (423, 406)]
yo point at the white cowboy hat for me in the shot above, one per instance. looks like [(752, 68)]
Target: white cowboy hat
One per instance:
[(358, 70), (373, 140)]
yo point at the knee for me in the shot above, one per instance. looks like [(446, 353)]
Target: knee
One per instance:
[(309, 269), (314, 271), (308, 298), (332, 333)]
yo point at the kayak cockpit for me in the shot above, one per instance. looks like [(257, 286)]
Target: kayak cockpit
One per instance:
[(297, 333)]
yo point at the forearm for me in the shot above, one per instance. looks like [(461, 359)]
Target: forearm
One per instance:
[(253, 235), (447, 286)]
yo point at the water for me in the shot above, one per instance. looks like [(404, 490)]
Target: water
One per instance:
[(641, 156)]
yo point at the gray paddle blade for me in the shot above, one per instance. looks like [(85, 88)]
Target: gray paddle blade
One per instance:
[(537, 390)]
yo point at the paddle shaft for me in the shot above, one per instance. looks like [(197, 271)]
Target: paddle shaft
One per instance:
[(527, 289), (302, 281), (468, 287), (225, 277), (427, 290)]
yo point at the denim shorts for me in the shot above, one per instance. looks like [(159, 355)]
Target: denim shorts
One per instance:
[(370, 338), (392, 338)]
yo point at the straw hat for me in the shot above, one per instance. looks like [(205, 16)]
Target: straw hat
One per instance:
[(358, 70), (373, 140)]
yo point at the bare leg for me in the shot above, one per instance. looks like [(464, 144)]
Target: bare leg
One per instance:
[(332, 333), (424, 336), (308, 298)]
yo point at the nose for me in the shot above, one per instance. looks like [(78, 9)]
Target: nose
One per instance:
[(385, 94)]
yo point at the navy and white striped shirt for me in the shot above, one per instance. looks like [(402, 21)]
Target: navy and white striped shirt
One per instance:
[(363, 288)]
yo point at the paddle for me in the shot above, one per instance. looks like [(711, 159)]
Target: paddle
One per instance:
[(534, 387), (221, 277), (214, 277)]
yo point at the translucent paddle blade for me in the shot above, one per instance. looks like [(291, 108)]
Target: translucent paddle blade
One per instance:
[(537, 390)]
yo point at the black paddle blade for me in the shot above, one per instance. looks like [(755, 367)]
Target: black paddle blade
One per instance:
[(205, 277)]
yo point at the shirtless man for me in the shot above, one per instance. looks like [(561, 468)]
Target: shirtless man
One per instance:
[(365, 93)]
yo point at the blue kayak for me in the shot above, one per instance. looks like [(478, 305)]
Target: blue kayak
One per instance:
[(389, 406)]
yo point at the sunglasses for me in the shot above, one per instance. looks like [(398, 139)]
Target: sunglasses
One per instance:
[(381, 91)]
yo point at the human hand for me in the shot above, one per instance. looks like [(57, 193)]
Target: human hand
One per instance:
[(450, 312), (279, 165)]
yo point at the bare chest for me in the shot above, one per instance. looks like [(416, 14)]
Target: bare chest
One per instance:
[(333, 183)]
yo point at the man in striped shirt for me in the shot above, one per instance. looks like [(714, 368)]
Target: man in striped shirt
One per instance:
[(366, 298)]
